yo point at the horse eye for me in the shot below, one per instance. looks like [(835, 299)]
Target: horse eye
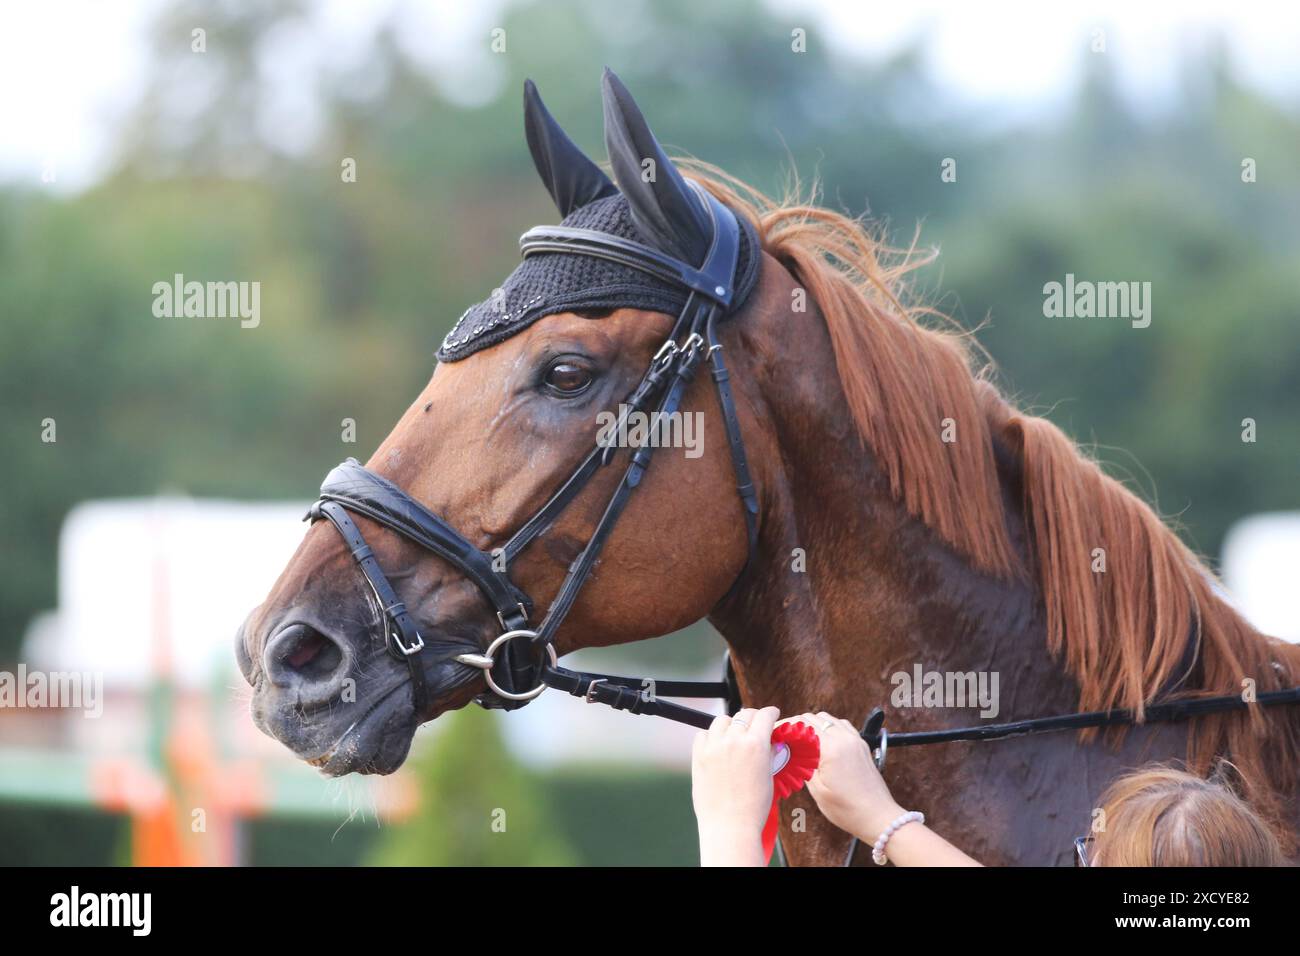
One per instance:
[(567, 378)]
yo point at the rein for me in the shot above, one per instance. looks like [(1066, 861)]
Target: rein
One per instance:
[(879, 740)]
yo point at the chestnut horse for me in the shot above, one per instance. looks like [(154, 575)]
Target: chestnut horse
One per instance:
[(909, 515)]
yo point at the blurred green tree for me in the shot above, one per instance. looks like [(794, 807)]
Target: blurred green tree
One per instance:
[(478, 805), (360, 280)]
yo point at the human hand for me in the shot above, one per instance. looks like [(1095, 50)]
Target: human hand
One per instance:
[(731, 786), (847, 787)]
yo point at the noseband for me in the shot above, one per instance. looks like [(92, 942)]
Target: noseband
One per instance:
[(353, 488)]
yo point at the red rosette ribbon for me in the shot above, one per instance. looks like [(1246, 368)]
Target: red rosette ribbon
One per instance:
[(801, 755)]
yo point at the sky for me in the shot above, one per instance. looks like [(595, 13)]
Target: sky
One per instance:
[(71, 68)]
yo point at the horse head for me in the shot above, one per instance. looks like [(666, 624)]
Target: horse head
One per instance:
[(527, 383)]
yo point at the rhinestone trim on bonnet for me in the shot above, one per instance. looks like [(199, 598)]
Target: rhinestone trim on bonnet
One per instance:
[(550, 282)]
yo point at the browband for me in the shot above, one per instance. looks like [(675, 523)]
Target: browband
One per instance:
[(714, 279)]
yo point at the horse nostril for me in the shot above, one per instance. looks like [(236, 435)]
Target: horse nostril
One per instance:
[(302, 656)]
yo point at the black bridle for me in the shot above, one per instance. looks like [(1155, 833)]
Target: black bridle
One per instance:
[(350, 487), (353, 488)]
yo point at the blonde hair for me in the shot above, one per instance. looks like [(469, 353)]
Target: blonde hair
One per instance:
[(1163, 816)]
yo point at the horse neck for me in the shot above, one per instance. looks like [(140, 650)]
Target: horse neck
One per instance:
[(847, 588)]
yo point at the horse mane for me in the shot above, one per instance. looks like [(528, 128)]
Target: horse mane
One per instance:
[(1152, 626)]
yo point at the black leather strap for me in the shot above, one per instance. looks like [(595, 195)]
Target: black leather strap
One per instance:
[(735, 438), (544, 518), (1170, 712), (631, 694), (730, 686), (713, 279), (655, 687), (392, 610), (361, 490), (650, 385), (580, 570)]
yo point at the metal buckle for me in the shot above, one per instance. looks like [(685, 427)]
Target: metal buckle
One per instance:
[(883, 749), (523, 611), (591, 691), (393, 633), (487, 660), (396, 637), (666, 352), (693, 342)]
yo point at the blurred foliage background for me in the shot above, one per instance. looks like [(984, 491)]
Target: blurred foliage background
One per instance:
[(361, 280)]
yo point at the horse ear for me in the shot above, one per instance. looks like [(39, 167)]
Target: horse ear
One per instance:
[(664, 208), (570, 177)]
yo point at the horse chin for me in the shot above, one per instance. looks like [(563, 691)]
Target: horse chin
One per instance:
[(377, 743)]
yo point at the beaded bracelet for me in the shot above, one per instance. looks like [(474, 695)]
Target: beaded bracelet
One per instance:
[(903, 819)]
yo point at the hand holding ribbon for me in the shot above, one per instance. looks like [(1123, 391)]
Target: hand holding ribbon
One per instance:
[(796, 751)]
